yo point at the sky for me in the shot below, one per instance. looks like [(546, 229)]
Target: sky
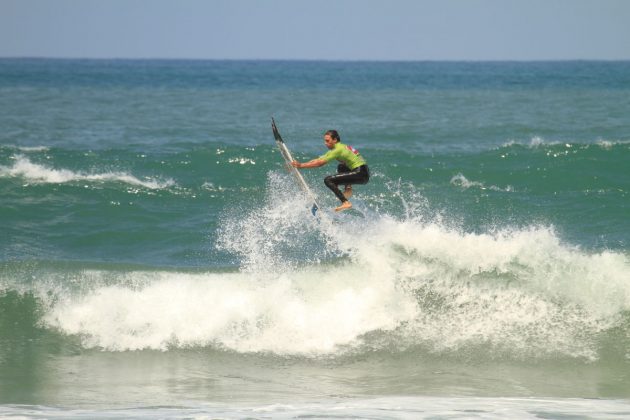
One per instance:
[(317, 30)]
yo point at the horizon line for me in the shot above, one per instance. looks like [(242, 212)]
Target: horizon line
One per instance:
[(359, 60)]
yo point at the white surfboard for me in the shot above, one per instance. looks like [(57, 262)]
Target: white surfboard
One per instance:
[(284, 151)]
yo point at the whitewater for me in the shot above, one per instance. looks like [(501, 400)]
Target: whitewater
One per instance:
[(367, 284)]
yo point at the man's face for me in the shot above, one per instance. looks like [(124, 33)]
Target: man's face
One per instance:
[(329, 142)]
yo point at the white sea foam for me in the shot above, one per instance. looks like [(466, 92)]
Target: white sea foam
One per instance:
[(398, 284), (522, 293), (25, 149), (37, 173), (536, 142), (533, 143), (33, 148), (376, 408), (299, 313), (242, 160), (461, 181), (609, 144)]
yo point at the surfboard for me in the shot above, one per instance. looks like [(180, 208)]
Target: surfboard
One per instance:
[(286, 155)]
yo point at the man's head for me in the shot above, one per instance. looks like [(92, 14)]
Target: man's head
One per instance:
[(331, 137)]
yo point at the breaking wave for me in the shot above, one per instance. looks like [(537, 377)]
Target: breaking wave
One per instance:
[(362, 282), (42, 174)]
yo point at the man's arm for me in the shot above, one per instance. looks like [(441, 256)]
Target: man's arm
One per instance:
[(315, 163)]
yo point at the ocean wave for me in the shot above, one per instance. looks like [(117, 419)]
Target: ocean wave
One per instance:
[(539, 142), (345, 284), (609, 144), (32, 148), (395, 285), (533, 143), (519, 294), (25, 149), (461, 181), (37, 173), (290, 314)]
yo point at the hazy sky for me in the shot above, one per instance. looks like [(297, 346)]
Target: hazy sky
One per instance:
[(317, 29)]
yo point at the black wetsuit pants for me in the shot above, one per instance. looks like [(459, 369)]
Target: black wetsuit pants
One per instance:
[(345, 176)]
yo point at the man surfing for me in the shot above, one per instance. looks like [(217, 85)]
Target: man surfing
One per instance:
[(353, 168)]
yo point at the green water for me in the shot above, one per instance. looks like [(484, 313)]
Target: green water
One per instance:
[(154, 251)]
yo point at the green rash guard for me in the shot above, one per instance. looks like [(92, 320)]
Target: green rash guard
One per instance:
[(344, 154)]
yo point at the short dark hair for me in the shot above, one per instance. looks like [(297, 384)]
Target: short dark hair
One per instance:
[(333, 134)]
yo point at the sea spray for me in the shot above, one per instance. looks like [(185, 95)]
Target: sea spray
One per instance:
[(277, 234)]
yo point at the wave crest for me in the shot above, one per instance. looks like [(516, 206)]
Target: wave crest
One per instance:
[(37, 173)]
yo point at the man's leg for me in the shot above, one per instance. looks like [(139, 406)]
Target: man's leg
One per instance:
[(358, 176), (341, 169)]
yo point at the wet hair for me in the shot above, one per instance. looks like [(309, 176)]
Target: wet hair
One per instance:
[(333, 134)]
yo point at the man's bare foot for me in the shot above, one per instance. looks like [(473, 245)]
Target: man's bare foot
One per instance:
[(344, 206), (347, 192)]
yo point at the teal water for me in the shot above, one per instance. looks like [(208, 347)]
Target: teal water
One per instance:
[(154, 251)]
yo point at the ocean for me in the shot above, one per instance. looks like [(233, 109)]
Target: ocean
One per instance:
[(158, 260)]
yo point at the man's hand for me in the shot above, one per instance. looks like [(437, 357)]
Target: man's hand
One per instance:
[(296, 164)]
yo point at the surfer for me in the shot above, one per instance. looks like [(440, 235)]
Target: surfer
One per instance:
[(353, 168)]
